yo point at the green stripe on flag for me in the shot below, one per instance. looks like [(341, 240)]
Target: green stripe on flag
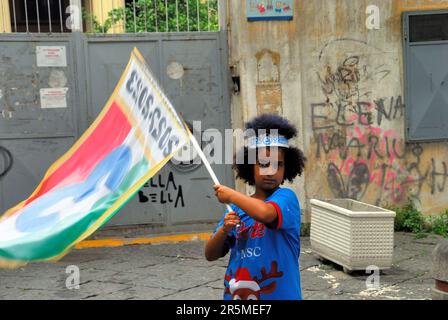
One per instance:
[(49, 247)]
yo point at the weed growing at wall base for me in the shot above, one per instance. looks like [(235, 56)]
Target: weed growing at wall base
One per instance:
[(410, 219), (439, 224)]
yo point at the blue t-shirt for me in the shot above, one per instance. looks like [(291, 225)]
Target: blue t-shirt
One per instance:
[(264, 261)]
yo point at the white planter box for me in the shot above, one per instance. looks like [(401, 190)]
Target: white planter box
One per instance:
[(352, 234)]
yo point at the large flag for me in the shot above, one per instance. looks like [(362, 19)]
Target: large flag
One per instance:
[(135, 135)]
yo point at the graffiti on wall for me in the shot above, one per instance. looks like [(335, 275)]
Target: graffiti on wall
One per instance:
[(358, 141), (6, 161), (162, 190), (358, 159)]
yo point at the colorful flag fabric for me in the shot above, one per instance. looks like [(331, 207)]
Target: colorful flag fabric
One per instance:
[(134, 136)]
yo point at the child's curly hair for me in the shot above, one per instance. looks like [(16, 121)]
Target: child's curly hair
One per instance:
[(294, 157)]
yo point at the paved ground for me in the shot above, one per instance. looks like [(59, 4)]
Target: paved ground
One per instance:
[(180, 272)]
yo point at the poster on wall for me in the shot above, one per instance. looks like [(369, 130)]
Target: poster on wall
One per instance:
[(51, 56), (51, 98), (259, 10)]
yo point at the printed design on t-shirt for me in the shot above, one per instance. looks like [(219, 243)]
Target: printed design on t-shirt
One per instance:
[(243, 232), (257, 230), (244, 287)]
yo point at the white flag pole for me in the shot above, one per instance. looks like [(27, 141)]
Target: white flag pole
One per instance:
[(205, 161)]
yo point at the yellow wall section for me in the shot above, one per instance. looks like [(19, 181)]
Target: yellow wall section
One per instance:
[(100, 9), (5, 18)]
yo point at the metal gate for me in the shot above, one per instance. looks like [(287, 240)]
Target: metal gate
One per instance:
[(34, 133)]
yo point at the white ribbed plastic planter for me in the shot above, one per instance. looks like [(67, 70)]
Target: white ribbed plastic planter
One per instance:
[(352, 234)]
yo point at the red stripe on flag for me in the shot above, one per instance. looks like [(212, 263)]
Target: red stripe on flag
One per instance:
[(109, 134)]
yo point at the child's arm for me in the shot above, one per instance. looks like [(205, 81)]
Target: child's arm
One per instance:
[(255, 208), (215, 247)]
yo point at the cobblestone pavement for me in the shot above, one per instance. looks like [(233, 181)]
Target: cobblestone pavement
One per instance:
[(180, 272)]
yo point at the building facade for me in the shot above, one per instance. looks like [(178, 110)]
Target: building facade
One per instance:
[(365, 81), (372, 127)]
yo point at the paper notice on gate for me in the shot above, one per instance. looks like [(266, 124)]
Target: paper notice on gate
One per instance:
[(51, 98), (51, 56)]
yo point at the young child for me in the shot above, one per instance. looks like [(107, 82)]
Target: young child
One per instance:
[(263, 231)]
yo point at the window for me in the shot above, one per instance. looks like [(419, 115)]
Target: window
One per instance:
[(430, 27), (426, 67), (38, 16)]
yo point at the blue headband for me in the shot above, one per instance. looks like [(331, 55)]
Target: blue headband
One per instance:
[(267, 141)]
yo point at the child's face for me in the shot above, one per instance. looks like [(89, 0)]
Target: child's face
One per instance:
[(270, 168)]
